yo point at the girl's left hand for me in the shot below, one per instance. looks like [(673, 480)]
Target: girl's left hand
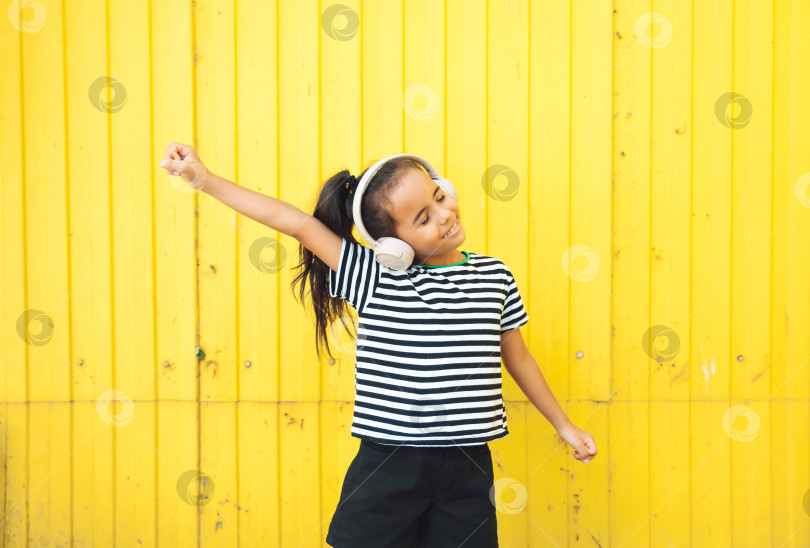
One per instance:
[(580, 440)]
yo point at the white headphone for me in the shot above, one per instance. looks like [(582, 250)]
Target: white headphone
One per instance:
[(392, 252)]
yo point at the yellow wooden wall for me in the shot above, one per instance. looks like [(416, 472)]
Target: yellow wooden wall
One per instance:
[(630, 194)]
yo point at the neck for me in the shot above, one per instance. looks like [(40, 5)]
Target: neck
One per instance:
[(451, 257)]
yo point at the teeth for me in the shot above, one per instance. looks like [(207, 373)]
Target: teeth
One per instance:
[(452, 228)]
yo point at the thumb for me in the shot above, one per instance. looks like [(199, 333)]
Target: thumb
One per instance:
[(175, 166), (192, 171)]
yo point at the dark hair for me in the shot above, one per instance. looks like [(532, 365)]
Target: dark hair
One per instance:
[(330, 209)]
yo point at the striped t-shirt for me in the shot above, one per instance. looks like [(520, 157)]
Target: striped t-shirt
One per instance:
[(428, 361)]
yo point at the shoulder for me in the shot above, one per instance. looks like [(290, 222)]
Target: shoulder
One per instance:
[(489, 263)]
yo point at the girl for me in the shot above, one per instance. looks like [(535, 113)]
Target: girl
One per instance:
[(434, 325)]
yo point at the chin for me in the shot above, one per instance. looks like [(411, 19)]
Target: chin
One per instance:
[(462, 236)]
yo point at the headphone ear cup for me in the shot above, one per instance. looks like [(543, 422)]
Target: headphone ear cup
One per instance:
[(447, 186), (393, 253)]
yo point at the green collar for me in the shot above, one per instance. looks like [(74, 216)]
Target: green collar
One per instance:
[(445, 265)]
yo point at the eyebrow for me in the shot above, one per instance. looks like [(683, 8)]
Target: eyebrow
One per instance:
[(435, 190)]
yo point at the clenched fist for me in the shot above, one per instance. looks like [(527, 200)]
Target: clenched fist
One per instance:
[(183, 160)]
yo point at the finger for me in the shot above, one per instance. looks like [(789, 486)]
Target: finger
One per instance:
[(184, 150), (172, 165), (177, 151), (175, 148)]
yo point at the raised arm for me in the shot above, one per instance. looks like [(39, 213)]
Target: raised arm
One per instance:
[(182, 160)]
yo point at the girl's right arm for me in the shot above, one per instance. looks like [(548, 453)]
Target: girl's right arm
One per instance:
[(278, 215), (182, 160)]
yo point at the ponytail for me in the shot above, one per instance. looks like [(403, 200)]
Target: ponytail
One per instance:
[(333, 208)]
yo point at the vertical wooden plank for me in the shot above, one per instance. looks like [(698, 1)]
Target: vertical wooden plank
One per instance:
[(219, 456), (129, 264), (172, 373), (91, 294), (590, 521), (791, 199), (338, 450), (546, 295), (3, 470), (795, 386), (184, 488), (341, 90), (510, 465), (506, 177), (257, 456), (784, 524), (299, 41), (15, 514), (13, 271), (52, 450), (628, 454), (300, 474), (424, 96), (257, 363), (590, 170), (506, 195), (381, 35), (669, 34), (547, 480), (219, 293), (344, 28), (590, 225), (48, 270), (628, 446), (750, 263), (799, 224), (709, 307), (466, 122), (299, 31)]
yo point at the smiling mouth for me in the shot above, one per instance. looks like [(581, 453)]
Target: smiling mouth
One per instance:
[(453, 229)]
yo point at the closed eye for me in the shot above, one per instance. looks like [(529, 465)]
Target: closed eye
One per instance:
[(427, 217)]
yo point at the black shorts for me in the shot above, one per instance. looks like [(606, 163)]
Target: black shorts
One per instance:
[(401, 496)]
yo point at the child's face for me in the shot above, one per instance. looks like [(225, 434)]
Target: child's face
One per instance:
[(424, 214)]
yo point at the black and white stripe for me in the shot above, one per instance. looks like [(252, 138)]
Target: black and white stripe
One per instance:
[(428, 363)]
